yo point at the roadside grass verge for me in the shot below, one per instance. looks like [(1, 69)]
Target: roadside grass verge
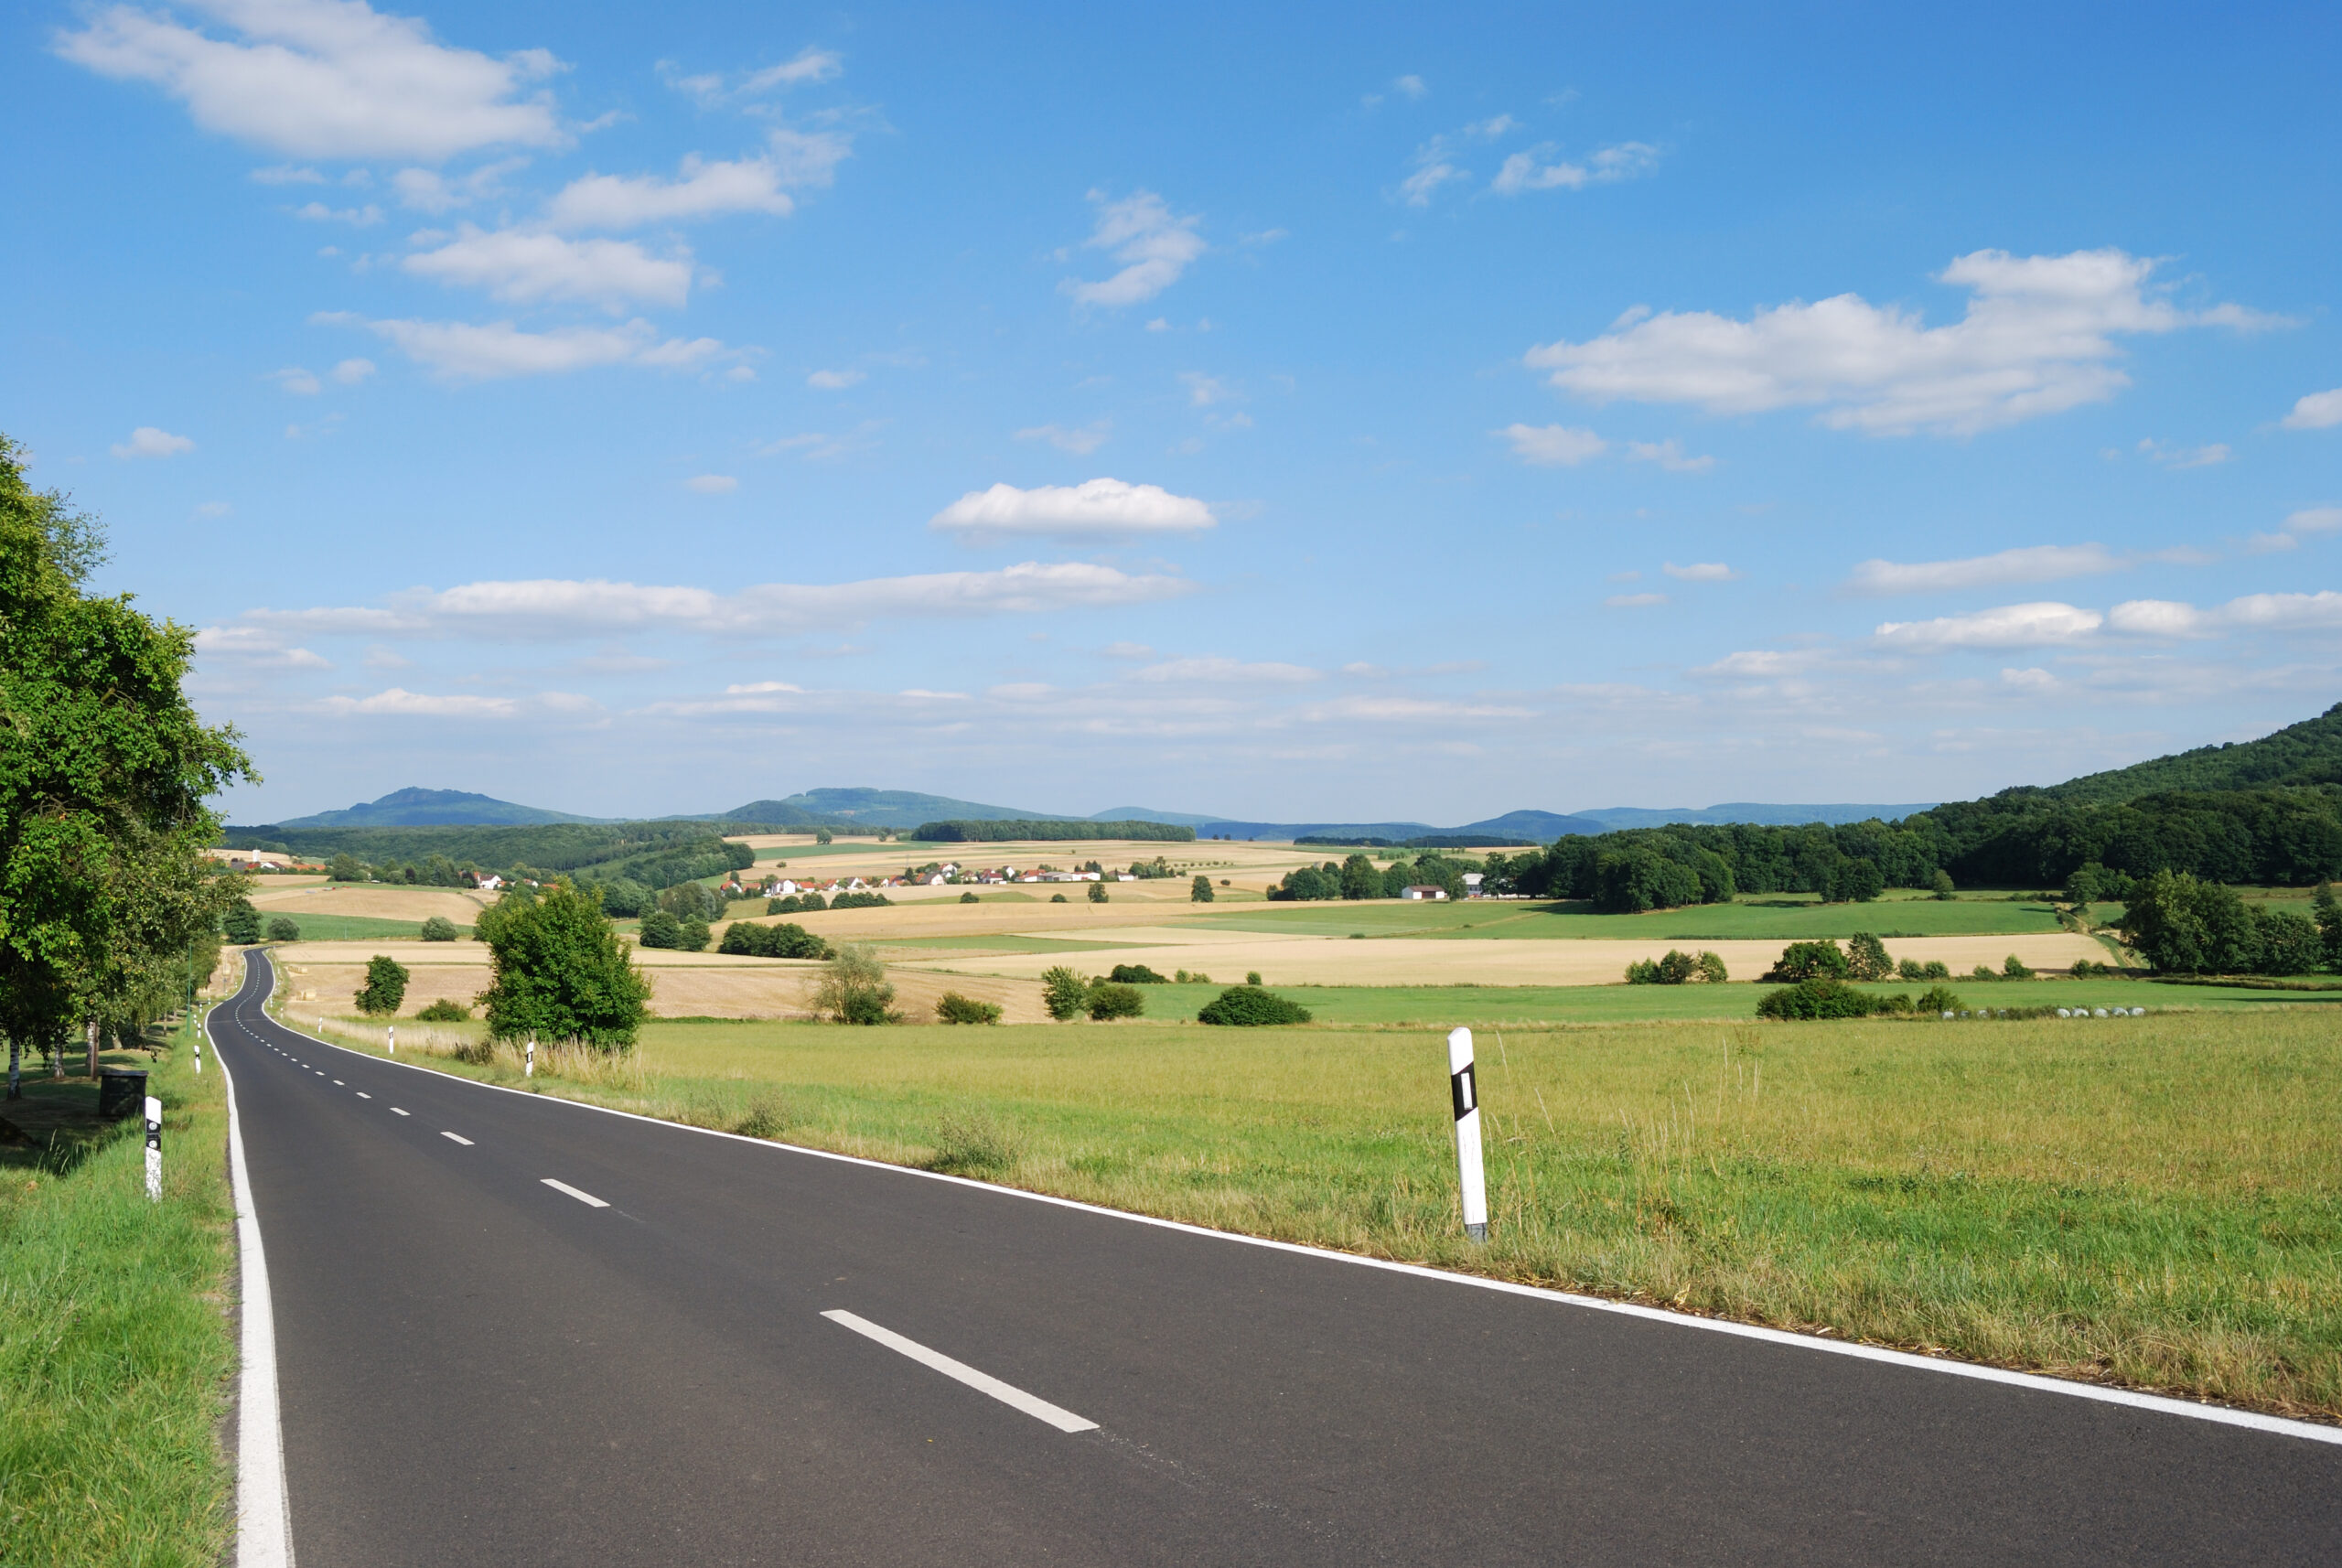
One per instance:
[(114, 1345), (2155, 1202)]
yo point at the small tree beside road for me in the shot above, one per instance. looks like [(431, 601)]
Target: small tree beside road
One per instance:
[(385, 986), (560, 972)]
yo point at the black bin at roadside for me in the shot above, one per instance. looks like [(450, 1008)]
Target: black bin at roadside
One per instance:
[(122, 1091)]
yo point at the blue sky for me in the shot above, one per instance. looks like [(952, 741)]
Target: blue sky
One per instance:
[(1327, 413)]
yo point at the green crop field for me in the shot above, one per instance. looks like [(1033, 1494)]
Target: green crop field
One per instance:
[(1787, 916), (2151, 1201), (355, 928)]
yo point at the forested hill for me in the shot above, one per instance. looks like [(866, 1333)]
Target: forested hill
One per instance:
[(2306, 753)]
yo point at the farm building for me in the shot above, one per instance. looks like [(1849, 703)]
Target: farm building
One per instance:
[(1422, 890)]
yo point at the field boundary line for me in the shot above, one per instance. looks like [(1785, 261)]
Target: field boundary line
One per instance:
[(2040, 1383), (263, 1506)]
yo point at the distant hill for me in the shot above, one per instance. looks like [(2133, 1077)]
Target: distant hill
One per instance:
[(435, 809), (1148, 814), (2308, 753), (1513, 827), (875, 809), (1610, 818)]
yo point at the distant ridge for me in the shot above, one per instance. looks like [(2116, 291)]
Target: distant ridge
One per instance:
[(413, 808), (2304, 754), (1613, 818), (896, 808)]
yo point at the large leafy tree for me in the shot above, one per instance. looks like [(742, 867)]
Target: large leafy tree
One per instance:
[(104, 770), (561, 971)]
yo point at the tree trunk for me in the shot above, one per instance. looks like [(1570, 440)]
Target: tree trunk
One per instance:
[(94, 1050)]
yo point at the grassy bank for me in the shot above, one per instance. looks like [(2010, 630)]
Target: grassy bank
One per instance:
[(2155, 1202), (114, 1347)]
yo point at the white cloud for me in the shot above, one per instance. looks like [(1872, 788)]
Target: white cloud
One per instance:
[(809, 66), (427, 190), (2269, 543), (286, 174), (399, 702), (2253, 612), (1763, 663), (528, 267), (563, 609), (2028, 564), (1700, 572), (1204, 391), (1081, 442), (213, 509), (2010, 626), (358, 217), (700, 190), (712, 484), (349, 372), (1218, 671), (1419, 187), (297, 380), (466, 352), (2038, 337), (2185, 456), (325, 79), (1141, 232), (1434, 162), (820, 447), (2318, 410), (256, 646), (1554, 445), (1668, 454), (2314, 519), (1536, 168), (1634, 601), (1094, 510), (148, 442), (836, 380), (1411, 85)]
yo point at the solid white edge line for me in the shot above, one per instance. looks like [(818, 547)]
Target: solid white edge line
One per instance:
[(264, 1508), (565, 1187), (458, 1137), (2161, 1404), (982, 1382)]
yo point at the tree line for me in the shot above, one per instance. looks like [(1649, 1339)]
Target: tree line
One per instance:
[(969, 831)]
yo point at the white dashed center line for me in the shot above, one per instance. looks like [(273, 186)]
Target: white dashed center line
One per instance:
[(585, 1197), (363, 1095), (983, 1382), (338, 1084), (458, 1137), (396, 1111)]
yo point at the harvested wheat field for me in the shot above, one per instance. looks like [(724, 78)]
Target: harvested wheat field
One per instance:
[(371, 900)]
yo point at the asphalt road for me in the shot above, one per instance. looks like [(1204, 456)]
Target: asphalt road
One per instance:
[(478, 1367)]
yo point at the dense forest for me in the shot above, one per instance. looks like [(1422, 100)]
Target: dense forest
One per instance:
[(1050, 830)]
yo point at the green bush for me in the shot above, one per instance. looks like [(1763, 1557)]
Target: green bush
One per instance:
[(283, 929), (1199, 890), (856, 901), (854, 989), (1252, 977), (1063, 992), (1938, 999), (786, 939), (1108, 1000), (1097, 893), (438, 929), (973, 1142), (1250, 1006), (1810, 961), (242, 923), (1196, 978), (446, 1010), (955, 1008), (661, 930), (1983, 972), (2013, 968), (1825, 996), (385, 986), (1866, 957), (969, 898), (1056, 897), (1135, 974)]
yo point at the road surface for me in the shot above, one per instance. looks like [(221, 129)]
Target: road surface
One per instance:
[(516, 1331)]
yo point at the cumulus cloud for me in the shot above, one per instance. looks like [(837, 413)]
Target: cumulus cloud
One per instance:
[(700, 190), (2009, 626), (428, 190), (2185, 456), (1539, 169), (1080, 442), (398, 701), (148, 442), (1554, 445), (1153, 245), (2314, 519), (464, 351), (2318, 410), (1219, 671), (712, 484), (565, 609), (255, 646), (324, 79), (358, 217), (1095, 510), (2028, 564), (349, 372), (2253, 612), (528, 267), (1700, 572), (2040, 335), (1669, 454)]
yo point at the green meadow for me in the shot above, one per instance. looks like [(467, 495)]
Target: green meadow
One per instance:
[(1788, 917), (2155, 1202)]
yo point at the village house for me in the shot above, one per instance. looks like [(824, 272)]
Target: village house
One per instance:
[(1422, 890)]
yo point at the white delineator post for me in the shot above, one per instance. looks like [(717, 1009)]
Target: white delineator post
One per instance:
[(529, 1068), (198, 1047), (390, 1038), (1464, 1089), (154, 1149)]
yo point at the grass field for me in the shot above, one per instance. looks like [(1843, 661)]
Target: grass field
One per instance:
[(1784, 917), (114, 1346), (359, 928), (2151, 1201)]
